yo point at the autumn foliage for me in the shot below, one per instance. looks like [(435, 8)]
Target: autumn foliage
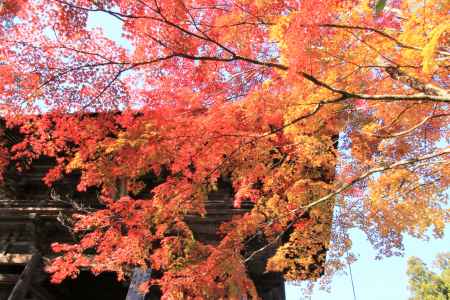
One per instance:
[(304, 105)]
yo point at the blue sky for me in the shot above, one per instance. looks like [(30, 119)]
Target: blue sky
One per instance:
[(374, 279), (384, 279)]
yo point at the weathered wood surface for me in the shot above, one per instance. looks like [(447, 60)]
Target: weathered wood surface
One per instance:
[(22, 286)]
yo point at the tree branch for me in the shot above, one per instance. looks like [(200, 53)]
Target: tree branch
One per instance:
[(409, 130), (379, 32), (273, 242), (330, 196), (368, 173), (415, 83)]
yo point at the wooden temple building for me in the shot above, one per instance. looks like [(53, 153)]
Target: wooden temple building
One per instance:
[(31, 218)]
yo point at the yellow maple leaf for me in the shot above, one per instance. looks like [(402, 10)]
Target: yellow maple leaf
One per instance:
[(430, 48)]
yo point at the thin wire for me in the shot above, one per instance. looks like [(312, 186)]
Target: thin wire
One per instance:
[(351, 279)]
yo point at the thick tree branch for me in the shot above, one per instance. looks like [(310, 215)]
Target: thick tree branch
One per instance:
[(381, 97)]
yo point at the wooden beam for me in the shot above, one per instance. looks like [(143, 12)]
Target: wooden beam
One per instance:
[(22, 286), (8, 279), (15, 259)]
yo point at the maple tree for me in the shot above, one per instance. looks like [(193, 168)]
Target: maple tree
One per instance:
[(275, 95)]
